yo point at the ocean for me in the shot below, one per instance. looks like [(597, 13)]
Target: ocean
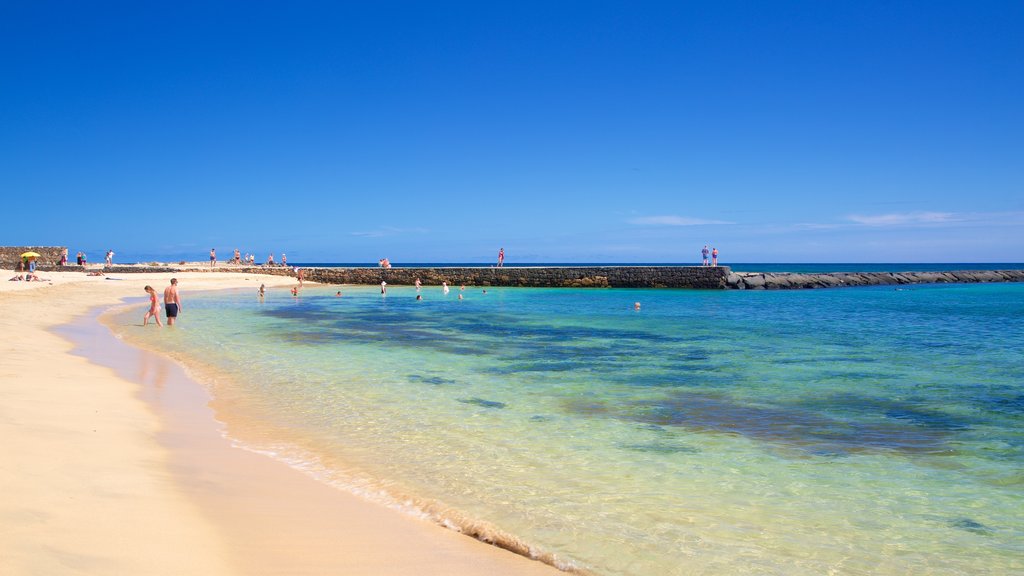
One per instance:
[(874, 430)]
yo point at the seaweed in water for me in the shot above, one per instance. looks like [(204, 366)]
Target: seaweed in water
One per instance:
[(661, 448), (433, 380), (810, 431), (482, 403), (970, 526)]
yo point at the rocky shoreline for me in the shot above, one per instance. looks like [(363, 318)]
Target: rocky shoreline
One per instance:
[(790, 280)]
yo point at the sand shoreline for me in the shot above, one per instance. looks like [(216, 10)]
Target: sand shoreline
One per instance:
[(123, 469)]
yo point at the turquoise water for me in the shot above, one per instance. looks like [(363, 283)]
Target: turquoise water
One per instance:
[(850, 431)]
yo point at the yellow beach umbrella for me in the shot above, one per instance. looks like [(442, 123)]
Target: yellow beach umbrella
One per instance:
[(30, 255)]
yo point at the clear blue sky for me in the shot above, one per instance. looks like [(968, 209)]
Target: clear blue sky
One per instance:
[(563, 131)]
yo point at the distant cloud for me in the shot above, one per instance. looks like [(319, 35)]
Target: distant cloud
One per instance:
[(673, 221), (906, 218)]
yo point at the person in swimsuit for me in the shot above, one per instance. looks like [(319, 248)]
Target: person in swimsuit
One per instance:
[(154, 309), (501, 257), (172, 302), (213, 257), (714, 257), (704, 255)]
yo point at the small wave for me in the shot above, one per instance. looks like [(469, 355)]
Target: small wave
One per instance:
[(368, 488)]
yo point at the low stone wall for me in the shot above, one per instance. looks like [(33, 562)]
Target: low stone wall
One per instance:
[(782, 281), (11, 255), (710, 277)]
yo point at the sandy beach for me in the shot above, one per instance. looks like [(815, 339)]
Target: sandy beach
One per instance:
[(111, 470)]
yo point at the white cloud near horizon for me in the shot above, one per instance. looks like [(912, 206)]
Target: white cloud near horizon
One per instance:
[(673, 221), (1009, 218), (905, 218)]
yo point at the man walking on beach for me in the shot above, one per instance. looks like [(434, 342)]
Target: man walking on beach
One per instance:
[(172, 302)]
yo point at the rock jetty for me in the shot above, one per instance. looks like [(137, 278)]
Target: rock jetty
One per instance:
[(708, 277), (790, 280)]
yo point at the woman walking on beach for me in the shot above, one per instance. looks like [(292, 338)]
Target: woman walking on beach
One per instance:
[(154, 309)]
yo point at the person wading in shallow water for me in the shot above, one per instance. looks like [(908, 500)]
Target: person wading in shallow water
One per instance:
[(154, 308), (172, 302)]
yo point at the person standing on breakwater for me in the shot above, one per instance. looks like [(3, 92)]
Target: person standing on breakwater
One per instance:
[(213, 257), (154, 308), (109, 259), (172, 302), (501, 257), (704, 256), (714, 257)]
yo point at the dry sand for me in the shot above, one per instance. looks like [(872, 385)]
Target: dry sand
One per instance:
[(97, 478)]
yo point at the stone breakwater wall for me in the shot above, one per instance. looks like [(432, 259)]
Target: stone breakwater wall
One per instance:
[(48, 255), (709, 277), (788, 280)]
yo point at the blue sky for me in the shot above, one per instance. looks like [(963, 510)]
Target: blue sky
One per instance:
[(562, 131)]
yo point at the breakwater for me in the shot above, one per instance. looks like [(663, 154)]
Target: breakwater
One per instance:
[(708, 277), (782, 281)]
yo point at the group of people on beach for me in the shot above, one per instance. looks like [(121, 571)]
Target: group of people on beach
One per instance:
[(704, 256), (172, 304), (27, 264), (249, 259)]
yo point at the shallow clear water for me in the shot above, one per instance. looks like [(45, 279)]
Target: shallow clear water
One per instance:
[(850, 431)]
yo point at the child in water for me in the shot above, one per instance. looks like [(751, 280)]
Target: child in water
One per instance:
[(154, 309)]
